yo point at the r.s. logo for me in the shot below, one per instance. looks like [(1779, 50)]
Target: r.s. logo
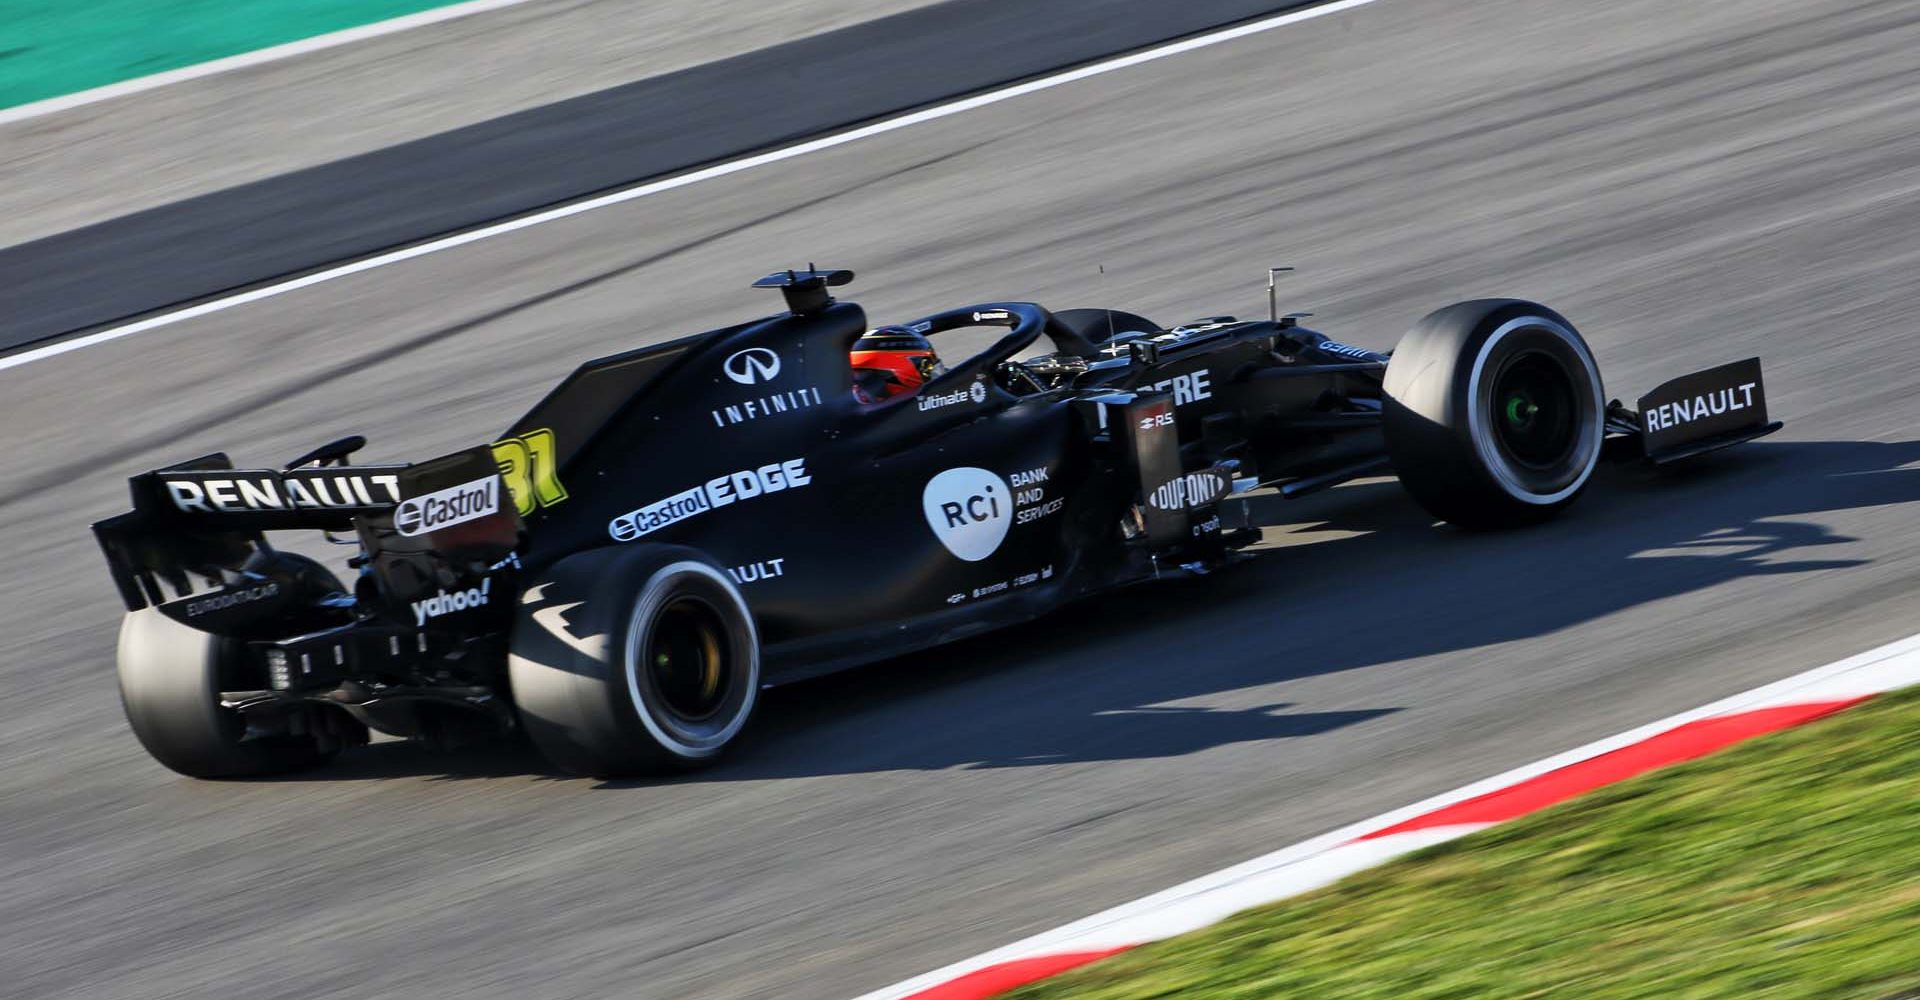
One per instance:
[(969, 510)]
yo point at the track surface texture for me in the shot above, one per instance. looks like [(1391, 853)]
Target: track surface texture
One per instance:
[(519, 162), (1688, 183), (199, 136)]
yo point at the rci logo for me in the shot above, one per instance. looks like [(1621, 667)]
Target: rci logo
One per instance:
[(969, 510), (753, 365)]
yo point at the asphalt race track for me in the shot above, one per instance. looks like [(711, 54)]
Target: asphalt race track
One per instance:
[(1688, 183), (558, 151)]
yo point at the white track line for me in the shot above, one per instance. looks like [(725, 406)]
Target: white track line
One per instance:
[(934, 113), (1213, 896), (257, 57)]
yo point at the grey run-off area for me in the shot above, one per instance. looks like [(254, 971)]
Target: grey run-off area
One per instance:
[(1689, 183)]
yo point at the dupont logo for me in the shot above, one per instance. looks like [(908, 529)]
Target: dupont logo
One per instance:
[(752, 366), (1191, 490), (448, 507)]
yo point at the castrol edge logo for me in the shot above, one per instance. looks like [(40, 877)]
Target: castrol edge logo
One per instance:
[(716, 492), (448, 507)]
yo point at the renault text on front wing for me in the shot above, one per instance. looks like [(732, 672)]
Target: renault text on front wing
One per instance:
[(716, 492), (1682, 411)]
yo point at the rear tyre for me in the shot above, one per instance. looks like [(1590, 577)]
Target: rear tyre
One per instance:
[(171, 677), (1493, 413), (634, 660)]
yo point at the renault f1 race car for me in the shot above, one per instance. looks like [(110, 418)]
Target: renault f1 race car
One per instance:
[(674, 528)]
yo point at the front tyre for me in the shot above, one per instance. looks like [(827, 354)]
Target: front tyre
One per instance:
[(171, 677), (634, 660), (1493, 413)]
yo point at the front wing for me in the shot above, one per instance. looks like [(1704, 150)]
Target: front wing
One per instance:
[(1698, 413)]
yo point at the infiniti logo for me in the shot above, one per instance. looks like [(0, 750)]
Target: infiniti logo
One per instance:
[(755, 364)]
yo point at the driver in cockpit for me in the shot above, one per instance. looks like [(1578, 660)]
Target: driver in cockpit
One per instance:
[(891, 361)]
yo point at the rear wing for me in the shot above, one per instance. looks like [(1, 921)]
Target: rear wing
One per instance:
[(195, 525), (209, 490)]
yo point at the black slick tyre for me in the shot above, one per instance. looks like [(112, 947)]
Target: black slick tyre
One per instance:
[(634, 660), (1493, 413), (171, 677)]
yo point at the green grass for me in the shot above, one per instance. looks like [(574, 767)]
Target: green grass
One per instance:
[(1788, 866), (53, 47)]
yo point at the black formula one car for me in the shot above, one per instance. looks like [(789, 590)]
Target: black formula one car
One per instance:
[(676, 527)]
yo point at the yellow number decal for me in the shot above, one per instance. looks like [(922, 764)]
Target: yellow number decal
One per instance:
[(528, 465)]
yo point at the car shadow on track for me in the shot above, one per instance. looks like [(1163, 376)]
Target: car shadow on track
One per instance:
[(1353, 578), (479, 760)]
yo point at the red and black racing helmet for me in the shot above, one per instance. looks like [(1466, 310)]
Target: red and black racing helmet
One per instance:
[(891, 361)]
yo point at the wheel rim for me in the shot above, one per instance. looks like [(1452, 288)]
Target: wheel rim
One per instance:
[(1536, 420), (695, 700), (687, 659), (1537, 461)]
